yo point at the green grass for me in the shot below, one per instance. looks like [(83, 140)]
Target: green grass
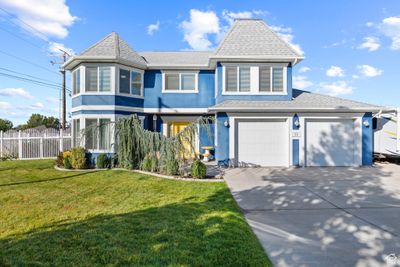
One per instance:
[(53, 218)]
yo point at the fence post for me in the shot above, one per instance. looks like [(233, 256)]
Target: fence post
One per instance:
[(41, 146), (61, 140), (1, 143), (19, 145)]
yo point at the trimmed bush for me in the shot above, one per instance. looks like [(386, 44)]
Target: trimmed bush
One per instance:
[(60, 160), (198, 169), (103, 161), (67, 163), (172, 167), (78, 158)]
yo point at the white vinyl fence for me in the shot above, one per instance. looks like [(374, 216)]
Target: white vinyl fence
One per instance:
[(34, 144)]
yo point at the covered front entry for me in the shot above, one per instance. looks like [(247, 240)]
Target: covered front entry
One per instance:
[(331, 142), (262, 142)]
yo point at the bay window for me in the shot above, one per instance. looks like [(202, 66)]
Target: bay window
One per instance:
[(130, 82), (76, 125), (76, 81), (98, 134), (180, 82), (98, 79)]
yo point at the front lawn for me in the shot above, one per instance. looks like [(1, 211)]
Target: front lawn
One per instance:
[(52, 218)]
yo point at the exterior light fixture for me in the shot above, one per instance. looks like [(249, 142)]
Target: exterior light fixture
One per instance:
[(366, 123), (226, 123), (297, 123)]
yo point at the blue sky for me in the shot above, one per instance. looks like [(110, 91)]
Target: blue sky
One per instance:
[(351, 47)]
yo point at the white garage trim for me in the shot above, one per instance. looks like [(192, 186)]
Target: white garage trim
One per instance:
[(357, 119), (233, 134)]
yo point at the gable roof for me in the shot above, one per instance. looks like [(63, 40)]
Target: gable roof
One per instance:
[(254, 38), (112, 48), (177, 59), (302, 101)]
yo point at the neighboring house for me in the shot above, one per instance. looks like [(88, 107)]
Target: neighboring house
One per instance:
[(246, 83)]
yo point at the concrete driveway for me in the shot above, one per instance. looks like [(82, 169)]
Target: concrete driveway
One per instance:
[(322, 216)]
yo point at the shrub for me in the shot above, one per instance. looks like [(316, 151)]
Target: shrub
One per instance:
[(172, 166), (67, 154), (103, 161), (67, 163), (60, 160), (150, 163), (198, 169), (78, 158)]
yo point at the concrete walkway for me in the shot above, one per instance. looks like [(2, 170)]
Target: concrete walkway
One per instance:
[(322, 216)]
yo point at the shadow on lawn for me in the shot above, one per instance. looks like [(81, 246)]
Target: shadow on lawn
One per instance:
[(207, 233)]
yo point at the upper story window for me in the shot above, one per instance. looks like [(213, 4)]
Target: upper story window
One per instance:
[(130, 82), (237, 79), (184, 82), (98, 79), (76, 81), (249, 79)]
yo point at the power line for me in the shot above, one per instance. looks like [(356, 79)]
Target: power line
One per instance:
[(29, 62), (34, 77), (19, 37), (49, 85)]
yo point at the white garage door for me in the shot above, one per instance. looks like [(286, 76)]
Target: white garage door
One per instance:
[(330, 142), (263, 143)]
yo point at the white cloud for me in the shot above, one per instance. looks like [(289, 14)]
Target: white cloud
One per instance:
[(153, 28), (58, 48), (335, 88), (301, 82), (355, 76), (335, 71), (17, 92), (50, 17), (53, 100), (286, 34), (4, 105), (197, 30), (390, 27), (369, 71), (37, 105), (370, 43), (304, 69)]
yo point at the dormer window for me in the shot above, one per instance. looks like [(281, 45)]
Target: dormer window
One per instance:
[(247, 79)]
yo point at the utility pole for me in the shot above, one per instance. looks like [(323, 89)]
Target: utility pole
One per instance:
[(63, 89)]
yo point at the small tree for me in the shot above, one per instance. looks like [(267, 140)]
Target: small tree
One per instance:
[(38, 119), (5, 125)]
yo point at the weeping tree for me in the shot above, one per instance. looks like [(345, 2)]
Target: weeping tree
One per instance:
[(169, 154)]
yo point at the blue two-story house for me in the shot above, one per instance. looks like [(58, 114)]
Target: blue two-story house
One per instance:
[(246, 84)]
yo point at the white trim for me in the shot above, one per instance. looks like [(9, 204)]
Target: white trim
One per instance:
[(105, 107), (130, 69), (175, 110)]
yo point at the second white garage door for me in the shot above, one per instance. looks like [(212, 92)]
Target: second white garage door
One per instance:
[(330, 142), (262, 143)]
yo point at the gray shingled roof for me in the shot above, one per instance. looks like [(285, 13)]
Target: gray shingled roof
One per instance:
[(113, 46), (182, 58), (302, 100), (252, 37)]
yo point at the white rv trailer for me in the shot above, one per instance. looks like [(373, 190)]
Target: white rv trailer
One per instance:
[(386, 127)]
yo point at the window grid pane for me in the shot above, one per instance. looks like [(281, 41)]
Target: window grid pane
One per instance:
[(231, 79), (277, 80), (105, 79), (265, 79), (104, 134), (244, 79), (136, 84), (188, 82), (124, 81), (171, 81), (91, 133), (91, 79), (77, 132)]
